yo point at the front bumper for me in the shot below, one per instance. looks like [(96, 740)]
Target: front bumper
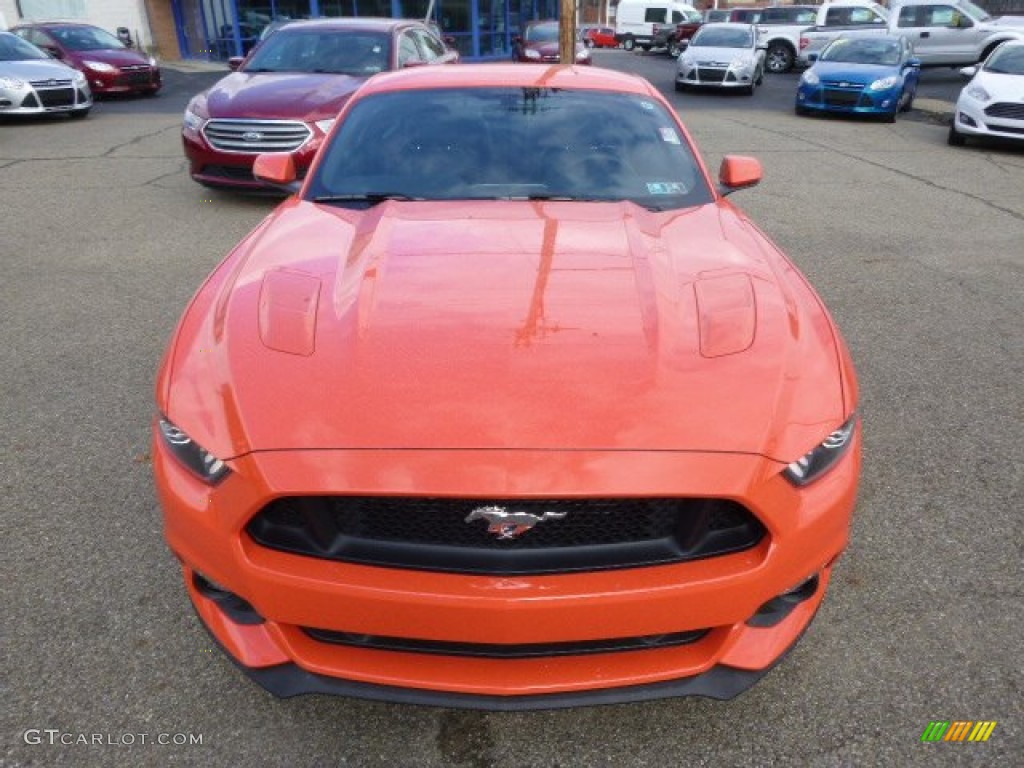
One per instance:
[(140, 79), (972, 120), (283, 595), (715, 77), (849, 101), (233, 170), (32, 100)]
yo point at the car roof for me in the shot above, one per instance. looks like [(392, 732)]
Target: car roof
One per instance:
[(508, 74), (361, 22)]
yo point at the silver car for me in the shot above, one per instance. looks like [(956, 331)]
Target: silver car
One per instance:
[(722, 55), (32, 83)]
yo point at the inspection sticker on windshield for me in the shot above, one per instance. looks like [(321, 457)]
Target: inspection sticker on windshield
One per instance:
[(666, 188), (669, 135)]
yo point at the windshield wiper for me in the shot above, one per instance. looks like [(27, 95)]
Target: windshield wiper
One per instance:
[(371, 198)]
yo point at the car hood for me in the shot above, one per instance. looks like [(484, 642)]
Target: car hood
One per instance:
[(1015, 22), (855, 73), (722, 55), (296, 95), (1000, 87), (506, 325), (37, 69), (113, 56)]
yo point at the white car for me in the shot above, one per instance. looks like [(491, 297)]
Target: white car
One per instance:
[(722, 55), (32, 83), (992, 104)]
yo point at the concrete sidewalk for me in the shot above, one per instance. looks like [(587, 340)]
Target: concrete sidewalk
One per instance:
[(936, 107), (194, 65)]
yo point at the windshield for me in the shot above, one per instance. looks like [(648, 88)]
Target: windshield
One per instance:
[(1007, 60), (722, 37), (863, 51), (509, 143), (13, 48), (976, 13), (85, 38), (333, 51), (542, 33)]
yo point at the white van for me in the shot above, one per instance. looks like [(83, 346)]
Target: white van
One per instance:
[(635, 20)]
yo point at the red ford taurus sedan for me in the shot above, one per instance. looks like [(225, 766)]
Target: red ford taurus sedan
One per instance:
[(286, 93), (108, 64), (533, 417)]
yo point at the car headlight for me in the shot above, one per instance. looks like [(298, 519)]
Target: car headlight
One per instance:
[(977, 92), (884, 84), (810, 77), (325, 125), (531, 54), (12, 83), (78, 78), (99, 66), (191, 120), (822, 457), (582, 55), (737, 64), (196, 458), (152, 61)]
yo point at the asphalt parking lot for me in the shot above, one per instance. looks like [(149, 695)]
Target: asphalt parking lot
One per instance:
[(915, 246)]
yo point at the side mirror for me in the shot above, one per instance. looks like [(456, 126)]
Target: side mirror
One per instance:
[(914, 63), (969, 72), (812, 57), (738, 172), (235, 62), (277, 170)]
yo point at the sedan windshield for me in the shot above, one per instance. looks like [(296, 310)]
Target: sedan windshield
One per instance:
[(710, 37), (863, 51), (509, 144), (86, 39), (331, 51), (13, 48), (542, 33), (1007, 60)]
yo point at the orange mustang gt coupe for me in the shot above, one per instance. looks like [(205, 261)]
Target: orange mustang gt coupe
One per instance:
[(508, 407)]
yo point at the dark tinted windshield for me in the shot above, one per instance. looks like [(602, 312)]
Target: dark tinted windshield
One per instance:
[(1007, 60), (338, 51), (511, 143), (13, 48), (542, 33), (722, 37), (85, 38), (863, 51)]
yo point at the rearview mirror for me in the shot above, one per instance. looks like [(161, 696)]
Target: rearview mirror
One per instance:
[(969, 72), (812, 57), (235, 62), (738, 172)]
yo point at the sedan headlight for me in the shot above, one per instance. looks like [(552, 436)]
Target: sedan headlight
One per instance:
[(99, 66), (884, 84), (531, 54), (738, 63), (810, 77), (977, 92), (191, 120), (196, 458), (582, 55), (12, 83), (152, 61), (822, 457), (78, 78)]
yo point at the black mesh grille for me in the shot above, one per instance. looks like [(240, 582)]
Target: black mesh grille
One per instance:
[(1006, 109), (506, 651), (560, 535), (57, 97), (711, 75), (839, 98)]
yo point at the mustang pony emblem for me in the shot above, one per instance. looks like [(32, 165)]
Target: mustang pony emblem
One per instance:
[(507, 524)]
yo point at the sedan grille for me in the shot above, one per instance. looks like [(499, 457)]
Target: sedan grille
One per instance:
[(1006, 109), (711, 75), (49, 83), (577, 535), (255, 136), (506, 651), (57, 97), (841, 98)]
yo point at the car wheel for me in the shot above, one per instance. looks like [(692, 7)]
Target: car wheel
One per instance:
[(779, 58), (889, 117), (759, 79), (909, 103), (955, 138), (78, 114), (629, 43), (645, 47), (674, 48)]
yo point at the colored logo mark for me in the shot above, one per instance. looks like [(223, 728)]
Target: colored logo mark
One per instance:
[(958, 730)]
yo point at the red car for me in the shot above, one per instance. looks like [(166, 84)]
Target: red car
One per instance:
[(539, 44), (508, 407), (108, 64), (599, 37), (286, 93)]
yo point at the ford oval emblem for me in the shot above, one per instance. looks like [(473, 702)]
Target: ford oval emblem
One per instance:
[(252, 136)]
